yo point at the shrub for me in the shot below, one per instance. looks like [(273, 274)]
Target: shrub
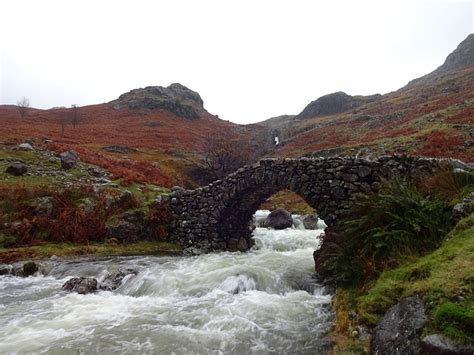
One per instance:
[(447, 183), (382, 228)]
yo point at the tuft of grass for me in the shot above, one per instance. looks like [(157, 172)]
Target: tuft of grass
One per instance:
[(455, 321)]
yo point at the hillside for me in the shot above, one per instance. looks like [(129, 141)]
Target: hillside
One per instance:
[(146, 135), (432, 116)]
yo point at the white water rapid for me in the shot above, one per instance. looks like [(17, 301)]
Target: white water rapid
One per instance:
[(263, 301)]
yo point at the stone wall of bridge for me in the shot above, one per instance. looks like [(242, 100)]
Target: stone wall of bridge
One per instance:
[(219, 215)]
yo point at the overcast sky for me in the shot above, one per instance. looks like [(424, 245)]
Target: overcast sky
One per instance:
[(249, 59)]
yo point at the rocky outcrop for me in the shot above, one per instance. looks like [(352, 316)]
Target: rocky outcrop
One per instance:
[(219, 216), (461, 58), (69, 159), (334, 103), (175, 98), (17, 169), (128, 227), (81, 285), (279, 219), (399, 330)]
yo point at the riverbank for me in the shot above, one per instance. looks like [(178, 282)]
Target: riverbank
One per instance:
[(47, 250)]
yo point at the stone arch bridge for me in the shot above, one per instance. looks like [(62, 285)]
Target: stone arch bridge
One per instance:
[(219, 215)]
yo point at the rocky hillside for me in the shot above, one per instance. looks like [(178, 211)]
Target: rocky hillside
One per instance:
[(431, 116), (334, 103), (150, 135)]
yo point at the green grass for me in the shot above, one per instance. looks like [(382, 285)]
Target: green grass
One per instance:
[(68, 249), (445, 275)]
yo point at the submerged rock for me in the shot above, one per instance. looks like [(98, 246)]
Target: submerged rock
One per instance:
[(81, 285), (279, 219), (399, 330), (114, 280)]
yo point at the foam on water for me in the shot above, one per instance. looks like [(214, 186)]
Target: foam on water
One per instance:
[(216, 303)]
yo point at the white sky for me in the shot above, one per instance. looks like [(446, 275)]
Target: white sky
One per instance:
[(249, 59)]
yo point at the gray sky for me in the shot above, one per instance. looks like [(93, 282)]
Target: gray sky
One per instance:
[(249, 59)]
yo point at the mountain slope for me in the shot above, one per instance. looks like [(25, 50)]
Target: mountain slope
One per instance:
[(432, 116)]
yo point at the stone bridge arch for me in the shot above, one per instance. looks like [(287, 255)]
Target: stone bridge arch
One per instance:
[(218, 216)]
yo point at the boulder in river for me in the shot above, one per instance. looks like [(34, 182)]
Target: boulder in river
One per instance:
[(279, 219), (17, 169), (81, 285), (399, 330), (114, 280), (310, 221)]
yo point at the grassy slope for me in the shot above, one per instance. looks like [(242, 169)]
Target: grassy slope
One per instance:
[(442, 277)]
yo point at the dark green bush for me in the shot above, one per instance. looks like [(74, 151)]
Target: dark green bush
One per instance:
[(455, 321), (381, 229)]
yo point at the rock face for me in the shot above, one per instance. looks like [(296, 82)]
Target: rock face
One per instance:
[(113, 281), (17, 169), (175, 98), (217, 216), (81, 285), (438, 344), (279, 219), (69, 159), (399, 330), (334, 103)]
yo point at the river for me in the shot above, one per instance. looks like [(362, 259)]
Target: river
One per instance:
[(263, 301)]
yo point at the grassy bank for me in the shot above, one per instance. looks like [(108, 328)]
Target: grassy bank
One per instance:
[(9, 255)]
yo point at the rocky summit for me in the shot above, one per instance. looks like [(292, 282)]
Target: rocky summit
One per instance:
[(334, 103), (175, 98)]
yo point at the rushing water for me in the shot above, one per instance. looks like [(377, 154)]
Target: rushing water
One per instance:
[(263, 301)]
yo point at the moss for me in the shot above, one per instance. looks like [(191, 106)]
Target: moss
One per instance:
[(7, 240), (455, 321)]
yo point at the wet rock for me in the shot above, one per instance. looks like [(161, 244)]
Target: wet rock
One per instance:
[(438, 344), (81, 285), (279, 219), (310, 221), (114, 280), (5, 269), (69, 159), (17, 169), (242, 245), (30, 268), (399, 330)]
